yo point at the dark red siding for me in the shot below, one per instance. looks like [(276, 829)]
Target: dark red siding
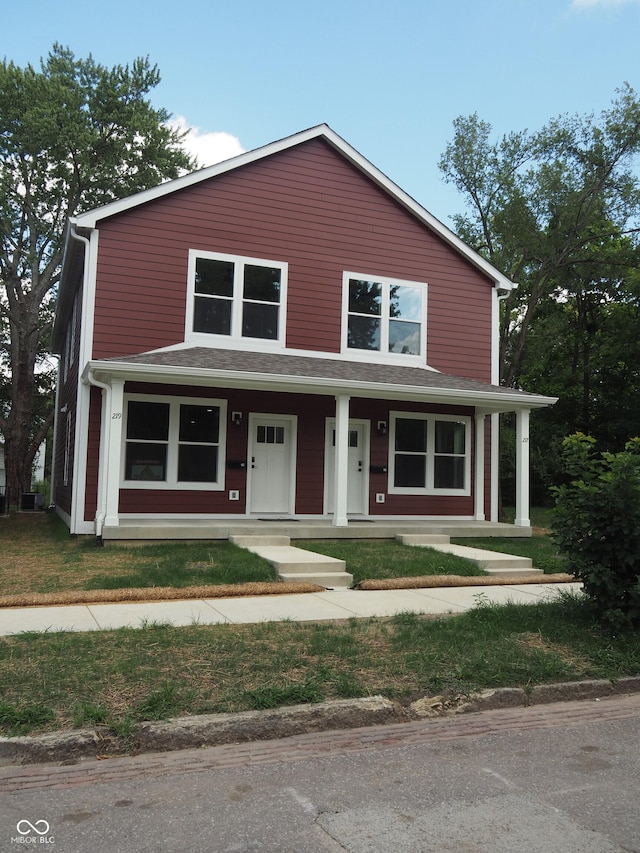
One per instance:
[(312, 413), (306, 206)]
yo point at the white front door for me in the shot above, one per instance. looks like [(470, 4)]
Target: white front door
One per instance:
[(272, 465), (358, 467)]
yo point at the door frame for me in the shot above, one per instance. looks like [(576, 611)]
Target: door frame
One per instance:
[(330, 425), (292, 421)]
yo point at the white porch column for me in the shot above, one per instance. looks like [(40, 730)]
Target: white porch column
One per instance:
[(495, 466), (479, 458), (341, 472), (112, 433), (522, 469)]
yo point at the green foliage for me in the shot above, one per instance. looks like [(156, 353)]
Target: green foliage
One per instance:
[(73, 135), (596, 525)]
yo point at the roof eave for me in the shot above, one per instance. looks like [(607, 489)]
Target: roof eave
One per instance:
[(489, 401)]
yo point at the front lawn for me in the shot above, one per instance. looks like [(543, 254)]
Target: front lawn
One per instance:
[(375, 559), (38, 555), (116, 679)]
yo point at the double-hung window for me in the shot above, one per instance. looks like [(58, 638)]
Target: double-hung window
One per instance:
[(176, 443), (236, 298), (383, 315), (429, 454)]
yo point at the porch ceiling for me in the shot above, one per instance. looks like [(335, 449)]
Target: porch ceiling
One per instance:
[(304, 374)]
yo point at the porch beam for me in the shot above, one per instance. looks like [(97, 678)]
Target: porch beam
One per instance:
[(522, 469), (341, 458)]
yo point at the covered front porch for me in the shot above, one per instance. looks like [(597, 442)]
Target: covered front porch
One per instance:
[(312, 409)]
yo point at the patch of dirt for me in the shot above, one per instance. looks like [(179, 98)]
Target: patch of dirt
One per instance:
[(537, 642)]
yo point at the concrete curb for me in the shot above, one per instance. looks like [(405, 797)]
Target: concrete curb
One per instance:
[(217, 729)]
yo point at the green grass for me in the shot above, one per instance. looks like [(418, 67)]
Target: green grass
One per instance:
[(369, 559), (115, 679), (180, 565), (38, 555)]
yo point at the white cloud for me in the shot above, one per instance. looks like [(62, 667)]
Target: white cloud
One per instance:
[(208, 147), (589, 4)]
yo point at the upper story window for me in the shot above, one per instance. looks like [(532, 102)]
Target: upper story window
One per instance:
[(385, 316), (236, 298)]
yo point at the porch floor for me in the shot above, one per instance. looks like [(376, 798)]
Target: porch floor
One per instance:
[(131, 530)]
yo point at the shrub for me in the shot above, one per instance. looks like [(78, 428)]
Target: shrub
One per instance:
[(596, 524)]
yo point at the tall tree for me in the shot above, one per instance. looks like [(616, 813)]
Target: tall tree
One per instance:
[(542, 206), (73, 135)]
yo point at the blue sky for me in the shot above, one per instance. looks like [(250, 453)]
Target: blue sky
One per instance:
[(389, 77)]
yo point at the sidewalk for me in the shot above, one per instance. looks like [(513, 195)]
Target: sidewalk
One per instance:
[(305, 607)]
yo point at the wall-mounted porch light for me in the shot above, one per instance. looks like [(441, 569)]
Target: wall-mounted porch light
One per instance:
[(236, 417), (382, 427)]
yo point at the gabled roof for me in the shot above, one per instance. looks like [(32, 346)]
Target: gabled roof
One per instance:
[(322, 131)]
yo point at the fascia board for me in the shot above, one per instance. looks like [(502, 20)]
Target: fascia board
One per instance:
[(490, 401)]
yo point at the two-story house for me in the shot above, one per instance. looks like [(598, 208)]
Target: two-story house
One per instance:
[(284, 335)]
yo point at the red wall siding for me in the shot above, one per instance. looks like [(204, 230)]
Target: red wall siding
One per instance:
[(93, 454), (312, 413), (306, 206)]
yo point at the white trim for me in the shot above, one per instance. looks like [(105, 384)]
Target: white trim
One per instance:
[(322, 131), (341, 462), (522, 469), (495, 466), (113, 435), (495, 337), (292, 420), (479, 472), (493, 400), (171, 483), (383, 355), (429, 454), (239, 261)]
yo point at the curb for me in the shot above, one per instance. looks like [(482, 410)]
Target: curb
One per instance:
[(217, 729)]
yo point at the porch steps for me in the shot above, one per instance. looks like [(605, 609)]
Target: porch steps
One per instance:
[(492, 562), (296, 564)]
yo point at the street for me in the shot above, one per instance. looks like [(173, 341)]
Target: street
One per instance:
[(543, 778)]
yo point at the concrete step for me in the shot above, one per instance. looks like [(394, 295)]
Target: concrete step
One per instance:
[(297, 564), (493, 562), (329, 580), (247, 541), (423, 539)]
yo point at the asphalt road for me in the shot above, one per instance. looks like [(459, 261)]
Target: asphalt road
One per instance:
[(562, 777)]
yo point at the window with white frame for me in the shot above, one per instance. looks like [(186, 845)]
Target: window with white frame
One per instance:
[(236, 297), (383, 315), (174, 443), (429, 454)]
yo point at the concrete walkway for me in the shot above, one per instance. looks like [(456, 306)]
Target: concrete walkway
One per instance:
[(304, 607)]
